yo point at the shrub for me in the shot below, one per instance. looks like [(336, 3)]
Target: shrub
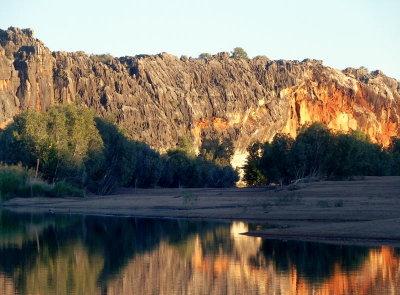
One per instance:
[(34, 190), (204, 55), (238, 52), (12, 178), (15, 181), (319, 152), (104, 58), (262, 58), (63, 189)]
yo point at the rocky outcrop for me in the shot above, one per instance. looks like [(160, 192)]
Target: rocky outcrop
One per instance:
[(160, 97)]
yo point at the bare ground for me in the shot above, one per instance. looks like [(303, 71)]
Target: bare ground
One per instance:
[(358, 212)]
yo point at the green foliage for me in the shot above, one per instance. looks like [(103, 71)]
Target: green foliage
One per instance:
[(354, 155), (67, 145), (276, 159), (12, 179), (182, 170), (394, 154), (210, 169), (205, 55), (123, 162), (261, 57), (104, 58), (239, 52), (35, 189), (217, 150), (56, 143), (185, 144), (16, 181), (253, 175), (310, 150), (63, 189), (318, 152)]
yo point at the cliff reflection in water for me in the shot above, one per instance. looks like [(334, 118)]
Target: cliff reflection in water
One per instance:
[(103, 255)]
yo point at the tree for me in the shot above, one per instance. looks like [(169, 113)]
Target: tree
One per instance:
[(253, 174), (239, 52), (67, 143), (177, 169), (394, 152), (310, 149), (185, 143), (55, 143), (205, 55), (276, 161), (217, 151), (261, 57), (124, 162)]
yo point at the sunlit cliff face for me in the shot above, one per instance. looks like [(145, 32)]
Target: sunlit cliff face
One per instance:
[(157, 98)]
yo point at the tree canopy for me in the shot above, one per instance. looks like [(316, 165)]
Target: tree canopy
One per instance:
[(68, 143), (205, 55), (238, 52), (319, 152)]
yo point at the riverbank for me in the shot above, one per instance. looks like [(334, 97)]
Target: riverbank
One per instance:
[(356, 212)]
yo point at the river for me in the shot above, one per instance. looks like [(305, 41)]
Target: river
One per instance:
[(75, 254)]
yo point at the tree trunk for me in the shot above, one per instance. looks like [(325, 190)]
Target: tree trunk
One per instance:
[(37, 167)]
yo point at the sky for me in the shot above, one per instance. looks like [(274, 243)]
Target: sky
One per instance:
[(342, 33)]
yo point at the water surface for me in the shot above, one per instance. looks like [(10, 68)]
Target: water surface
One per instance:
[(70, 254)]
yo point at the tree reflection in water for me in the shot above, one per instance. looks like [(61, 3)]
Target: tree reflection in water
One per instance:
[(51, 254), (314, 261)]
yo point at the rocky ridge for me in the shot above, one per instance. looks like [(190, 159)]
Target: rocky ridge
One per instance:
[(157, 98)]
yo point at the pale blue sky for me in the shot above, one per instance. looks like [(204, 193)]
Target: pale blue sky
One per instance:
[(341, 33)]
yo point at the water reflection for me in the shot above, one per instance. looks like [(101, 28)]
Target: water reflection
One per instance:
[(103, 255)]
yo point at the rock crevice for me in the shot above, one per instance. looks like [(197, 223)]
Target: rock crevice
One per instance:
[(157, 98)]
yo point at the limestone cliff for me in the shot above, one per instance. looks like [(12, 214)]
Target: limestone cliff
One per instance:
[(160, 97)]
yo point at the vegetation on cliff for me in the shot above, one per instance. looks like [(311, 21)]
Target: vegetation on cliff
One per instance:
[(319, 152), (158, 98), (239, 52), (69, 144)]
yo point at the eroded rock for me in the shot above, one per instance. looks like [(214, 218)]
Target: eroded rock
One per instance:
[(157, 98)]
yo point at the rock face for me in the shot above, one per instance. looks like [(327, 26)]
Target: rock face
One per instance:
[(160, 97)]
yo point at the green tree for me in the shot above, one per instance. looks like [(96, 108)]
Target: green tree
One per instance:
[(177, 169), (238, 52), (218, 151), (123, 162), (55, 143), (115, 166), (185, 144), (276, 161), (205, 55), (253, 174), (394, 154), (310, 150), (261, 57)]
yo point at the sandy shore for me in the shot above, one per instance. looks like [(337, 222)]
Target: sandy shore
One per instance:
[(357, 212)]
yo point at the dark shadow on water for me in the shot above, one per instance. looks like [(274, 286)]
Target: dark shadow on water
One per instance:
[(117, 240), (31, 242), (314, 261)]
